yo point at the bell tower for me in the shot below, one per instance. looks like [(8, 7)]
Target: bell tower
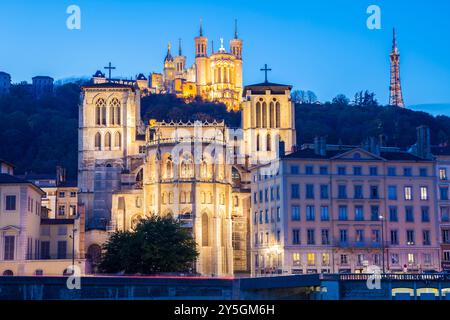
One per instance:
[(268, 118), (201, 61)]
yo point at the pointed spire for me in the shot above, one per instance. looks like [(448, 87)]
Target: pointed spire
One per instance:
[(235, 29), (394, 41), (212, 46), (168, 55), (201, 27), (179, 47)]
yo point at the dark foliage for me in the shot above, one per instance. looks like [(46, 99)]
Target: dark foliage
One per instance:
[(38, 135), (156, 245), (351, 124), (169, 107)]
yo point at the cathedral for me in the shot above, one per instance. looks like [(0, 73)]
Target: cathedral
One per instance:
[(196, 172), (215, 76)]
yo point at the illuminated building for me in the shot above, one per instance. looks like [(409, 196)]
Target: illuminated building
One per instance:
[(216, 76)]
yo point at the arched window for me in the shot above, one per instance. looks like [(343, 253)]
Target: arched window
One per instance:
[(258, 115), (264, 115), (235, 177), (112, 113), (187, 167), (169, 169), (39, 272), (272, 115), (108, 141), (278, 114), (98, 141), (100, 104), (205, 231), (118, 140), (203, 199), (269, 143), (115, 111), (236, 146), (170, 197), (204, 170), (223, 232), (258, 146)]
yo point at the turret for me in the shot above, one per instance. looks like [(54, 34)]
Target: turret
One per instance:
[(169, 70), (201, 61), (180, 61), (201, 43), (236, 44)]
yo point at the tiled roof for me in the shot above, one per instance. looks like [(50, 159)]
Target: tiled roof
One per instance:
[(9, 179), (399, 156), (260, 88), (392, 156), (108, 85), (440, 151)]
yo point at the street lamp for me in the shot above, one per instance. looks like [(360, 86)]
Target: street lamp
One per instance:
[(73, 249), (382, 242)]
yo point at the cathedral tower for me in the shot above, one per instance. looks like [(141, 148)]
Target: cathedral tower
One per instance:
[(109, 121), (236, 50), (201, 61), (180, 62), (169, 71), (396, 96), (268, 118)]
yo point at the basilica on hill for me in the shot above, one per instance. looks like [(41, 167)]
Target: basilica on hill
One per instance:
[(215, 76), (197, 172)]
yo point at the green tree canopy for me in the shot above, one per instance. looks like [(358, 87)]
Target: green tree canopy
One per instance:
[(156, 245)]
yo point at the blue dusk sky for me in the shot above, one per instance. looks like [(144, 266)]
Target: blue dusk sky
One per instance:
[(321, 45)]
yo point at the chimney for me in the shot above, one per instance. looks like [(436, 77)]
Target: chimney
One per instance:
[(60, 175), (320, 146), (281, 149), (382, 140), (372, 145), (423, 146)]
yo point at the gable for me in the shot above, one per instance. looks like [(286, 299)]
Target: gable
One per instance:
[(358, 154)]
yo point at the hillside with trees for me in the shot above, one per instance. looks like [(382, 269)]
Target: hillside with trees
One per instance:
[(38, 135)]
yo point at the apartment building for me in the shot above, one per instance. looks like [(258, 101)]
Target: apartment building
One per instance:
[(343, 209)]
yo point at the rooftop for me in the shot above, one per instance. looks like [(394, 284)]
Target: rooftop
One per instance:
[(108, 85), (260, 88)]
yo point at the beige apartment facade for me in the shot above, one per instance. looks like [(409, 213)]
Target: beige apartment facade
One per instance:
[(345, 209)]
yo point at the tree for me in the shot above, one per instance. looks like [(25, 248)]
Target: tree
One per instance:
[(365, 98), (156, 245), (311, 97), (341, 100), (298, 96)]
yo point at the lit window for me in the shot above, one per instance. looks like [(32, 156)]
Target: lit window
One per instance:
[(311, 259), (325, 259), (423, 193), (296, 259), (443, 174), (408, 193)]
